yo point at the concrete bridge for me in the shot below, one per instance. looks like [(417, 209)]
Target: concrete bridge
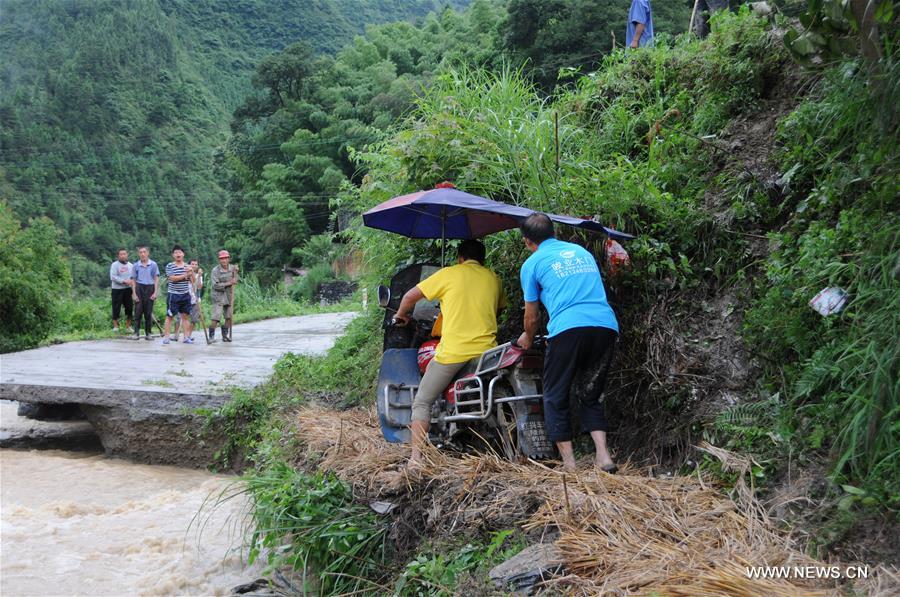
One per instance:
[(141, 397)]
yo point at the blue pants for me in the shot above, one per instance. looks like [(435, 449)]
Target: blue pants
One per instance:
[(579, 357)]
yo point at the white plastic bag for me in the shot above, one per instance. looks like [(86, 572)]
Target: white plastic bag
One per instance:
[(830, 300)]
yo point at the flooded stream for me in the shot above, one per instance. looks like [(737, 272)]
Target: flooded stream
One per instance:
[(82, 524)]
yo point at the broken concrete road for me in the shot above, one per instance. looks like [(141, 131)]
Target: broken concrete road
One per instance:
[(141, 397)]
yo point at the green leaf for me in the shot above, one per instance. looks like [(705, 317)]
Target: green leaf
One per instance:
[(884, 14), (846, 502), (853, 490)]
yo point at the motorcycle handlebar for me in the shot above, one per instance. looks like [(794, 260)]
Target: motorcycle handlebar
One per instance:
[(538, 342)]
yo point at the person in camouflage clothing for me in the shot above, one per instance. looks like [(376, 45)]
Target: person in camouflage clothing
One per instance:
[(223, 279)]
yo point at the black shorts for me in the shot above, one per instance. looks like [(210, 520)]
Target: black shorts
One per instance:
[(577, 362), (121, 297), (178, 303)]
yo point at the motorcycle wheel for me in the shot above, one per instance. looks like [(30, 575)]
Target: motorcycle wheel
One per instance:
[(522, 435)]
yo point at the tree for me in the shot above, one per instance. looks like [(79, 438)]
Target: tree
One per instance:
[(284, 75), (33, 278), (292, 138), (554, 34)]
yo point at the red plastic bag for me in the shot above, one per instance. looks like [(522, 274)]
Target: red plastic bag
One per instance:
[(617, 257)]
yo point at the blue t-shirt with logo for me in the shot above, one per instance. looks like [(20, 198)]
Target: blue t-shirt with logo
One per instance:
[(565, 277)]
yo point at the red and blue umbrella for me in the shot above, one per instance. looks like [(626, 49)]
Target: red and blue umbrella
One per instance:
[(449, 213), (443, 213)]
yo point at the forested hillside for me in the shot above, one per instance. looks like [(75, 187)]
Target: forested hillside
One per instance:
[(111, 112), (293, 142)]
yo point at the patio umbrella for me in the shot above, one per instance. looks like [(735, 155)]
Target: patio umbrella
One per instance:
[(449, 213)]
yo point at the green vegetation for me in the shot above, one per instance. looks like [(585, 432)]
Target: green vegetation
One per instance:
[(836, 28), (564, 37), (840, 371), (311, 525), (293, 139), (112, 114), (442, 569), (33, 280)]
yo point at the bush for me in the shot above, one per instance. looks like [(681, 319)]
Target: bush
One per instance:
[(310, 524), (34, 278), (306, 287)]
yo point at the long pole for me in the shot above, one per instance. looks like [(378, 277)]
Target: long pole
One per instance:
[(233, 277), (693, 14), (556, 138), (443, 233), (202, 320)]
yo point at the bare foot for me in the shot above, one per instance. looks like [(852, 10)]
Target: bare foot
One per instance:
[(569, 467), (607, 466), (601, 462)]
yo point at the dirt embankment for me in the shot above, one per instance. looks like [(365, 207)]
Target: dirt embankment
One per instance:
[(686, 362)]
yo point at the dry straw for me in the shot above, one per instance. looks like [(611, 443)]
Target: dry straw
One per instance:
[(625, 534)]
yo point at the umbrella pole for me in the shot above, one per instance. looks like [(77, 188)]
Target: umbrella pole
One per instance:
[(443, 233)]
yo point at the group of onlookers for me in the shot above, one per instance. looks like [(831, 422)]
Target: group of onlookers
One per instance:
[(135, 287)]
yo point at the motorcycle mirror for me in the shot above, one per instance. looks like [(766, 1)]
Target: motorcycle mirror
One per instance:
[(384, 295)]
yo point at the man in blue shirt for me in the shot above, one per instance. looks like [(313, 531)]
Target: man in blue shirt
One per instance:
[(145, 275), (581, 334), (122, 293), (639, 32)]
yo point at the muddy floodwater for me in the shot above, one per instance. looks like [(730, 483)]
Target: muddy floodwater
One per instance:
[(83, 524)]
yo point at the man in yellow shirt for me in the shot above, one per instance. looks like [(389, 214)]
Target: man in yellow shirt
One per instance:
[(470, 296)]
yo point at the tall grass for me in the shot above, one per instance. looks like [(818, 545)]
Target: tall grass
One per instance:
[(252, 301), (851, 382), (309, 523), (840, 371)]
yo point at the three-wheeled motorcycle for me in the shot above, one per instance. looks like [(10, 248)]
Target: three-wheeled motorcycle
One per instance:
[(495, 400)]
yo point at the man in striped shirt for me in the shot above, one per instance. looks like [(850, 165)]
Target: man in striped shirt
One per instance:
[(178, 303)]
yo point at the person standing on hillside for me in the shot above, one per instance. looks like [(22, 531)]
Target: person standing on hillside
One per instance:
[(582, 334), (223, 279), (178, 299), (145, 287), (639, 31), (120, 282), (470, 296)]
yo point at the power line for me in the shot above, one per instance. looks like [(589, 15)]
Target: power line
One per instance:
[(209, 150)]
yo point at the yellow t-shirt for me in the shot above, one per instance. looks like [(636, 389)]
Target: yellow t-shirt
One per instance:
[(470, 296)]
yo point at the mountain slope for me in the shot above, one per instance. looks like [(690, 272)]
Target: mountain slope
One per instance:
[(110, 112)]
